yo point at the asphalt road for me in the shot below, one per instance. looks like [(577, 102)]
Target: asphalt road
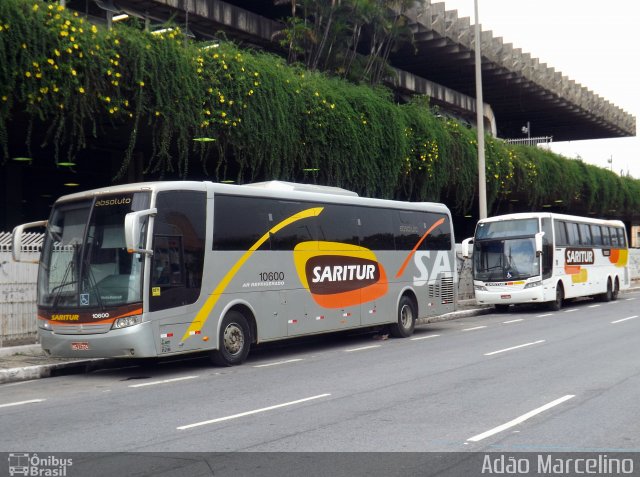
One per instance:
[(529, 380)]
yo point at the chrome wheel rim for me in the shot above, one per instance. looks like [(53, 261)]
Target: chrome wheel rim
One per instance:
[(233, 339)]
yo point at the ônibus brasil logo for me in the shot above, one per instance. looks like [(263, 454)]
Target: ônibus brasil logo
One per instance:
[(34, 465)]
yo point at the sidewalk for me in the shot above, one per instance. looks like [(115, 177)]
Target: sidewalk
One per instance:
[(22, 363)]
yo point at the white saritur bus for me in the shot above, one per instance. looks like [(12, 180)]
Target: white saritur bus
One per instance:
[(165, 268), (546, 258)]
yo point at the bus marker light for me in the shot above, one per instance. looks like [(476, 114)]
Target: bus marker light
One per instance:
[(293, 322), (194, 332), (321, 317), (206, 338), (166, 335)]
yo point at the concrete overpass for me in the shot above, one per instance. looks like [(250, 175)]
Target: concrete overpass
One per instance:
[(517, 87)]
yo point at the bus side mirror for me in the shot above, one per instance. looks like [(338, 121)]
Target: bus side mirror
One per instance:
[(135, 224), (466, 243), (538, 239), (16, 240)]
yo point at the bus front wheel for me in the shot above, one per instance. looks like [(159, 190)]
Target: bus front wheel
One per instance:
[(556, 304), (407, 314), (234, 341)]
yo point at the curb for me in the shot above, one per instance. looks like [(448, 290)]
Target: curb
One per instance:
[(26, 373)]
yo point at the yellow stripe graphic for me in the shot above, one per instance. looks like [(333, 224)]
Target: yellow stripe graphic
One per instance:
[(202, 315)]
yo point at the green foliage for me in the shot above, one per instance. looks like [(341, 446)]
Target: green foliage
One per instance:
[(219, 111)]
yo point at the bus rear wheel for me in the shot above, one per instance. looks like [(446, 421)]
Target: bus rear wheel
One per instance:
[(407, 314), (616, 290), (608, 295), (234, 341)]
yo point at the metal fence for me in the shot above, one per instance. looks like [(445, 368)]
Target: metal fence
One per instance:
[(18, 291)]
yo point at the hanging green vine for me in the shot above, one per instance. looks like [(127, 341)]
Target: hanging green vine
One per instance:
[(196, 109)]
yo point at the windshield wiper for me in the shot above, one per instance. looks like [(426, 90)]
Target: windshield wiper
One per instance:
[(64, 282)]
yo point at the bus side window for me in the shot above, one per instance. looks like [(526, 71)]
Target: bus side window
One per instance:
[(573, 234), (338, 223), (376, 229), (622, 239), (606, 239), (561, 233), (614, 237), (596, 234), (239, 222), (585, 234)]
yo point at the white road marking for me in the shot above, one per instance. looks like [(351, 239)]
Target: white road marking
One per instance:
[(424, 337), (546, 314), (278, 363), (164, 381), (571, 310), (513, 321), (361, 349), (624, 319), (629, 299), (20, 403), (249, 413), (515, 347), (521, 419), (593, 306), (474, 328)]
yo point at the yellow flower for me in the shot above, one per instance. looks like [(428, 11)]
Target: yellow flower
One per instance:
[(223, 114), (73, 72), (107, 99), (81, 90), (35, 7), (28, 74), (50, 61), (4, 98), (56, 52), (94, 29), (141, 83)]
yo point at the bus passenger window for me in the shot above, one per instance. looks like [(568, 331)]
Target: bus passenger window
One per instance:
[(614, 237), (596, 234)]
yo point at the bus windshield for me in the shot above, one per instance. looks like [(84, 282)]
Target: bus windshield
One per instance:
[(507, 228), (510, 259), (84, 260)]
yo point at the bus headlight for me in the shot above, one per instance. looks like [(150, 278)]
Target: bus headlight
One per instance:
[(44, 325), (533, 284), (126, 322), (479, 288)]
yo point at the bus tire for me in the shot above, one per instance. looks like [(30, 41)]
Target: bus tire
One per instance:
[(501, 308), (608, 295), (616, 290), (556, 304), (234, 340), (407, 314)]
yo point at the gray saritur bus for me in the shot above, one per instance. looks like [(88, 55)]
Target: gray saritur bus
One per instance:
[(165, 268)]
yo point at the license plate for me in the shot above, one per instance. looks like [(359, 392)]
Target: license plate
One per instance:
[(505, 297), (80, 346)]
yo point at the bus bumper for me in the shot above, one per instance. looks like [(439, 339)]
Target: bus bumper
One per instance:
[(508, 296), (133, 342)]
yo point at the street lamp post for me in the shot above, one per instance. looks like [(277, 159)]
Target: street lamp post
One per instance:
[(482, 181)]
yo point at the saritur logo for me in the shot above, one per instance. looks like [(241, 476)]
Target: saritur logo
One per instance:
[(339, 275)]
